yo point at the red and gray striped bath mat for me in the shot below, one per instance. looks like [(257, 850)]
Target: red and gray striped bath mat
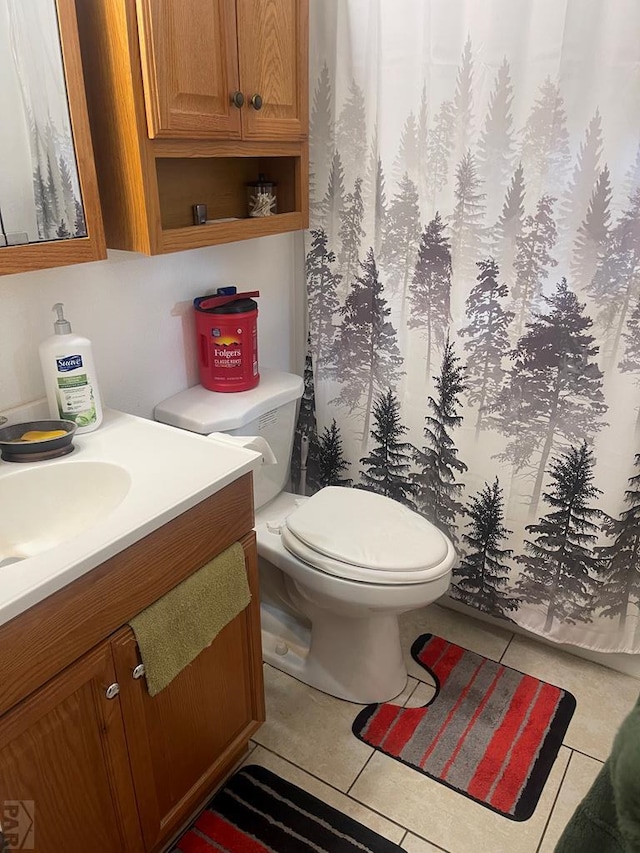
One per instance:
[(258, 812), (490, 732)]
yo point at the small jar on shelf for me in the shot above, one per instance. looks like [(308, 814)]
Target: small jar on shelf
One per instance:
[(262, 197)]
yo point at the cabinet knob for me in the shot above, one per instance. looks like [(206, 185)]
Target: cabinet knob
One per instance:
[(138, 671), (237, 99), (256, 102), (112, 690)]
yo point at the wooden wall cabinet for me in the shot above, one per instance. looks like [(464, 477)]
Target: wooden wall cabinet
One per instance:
[(49, 250), (120, 771), (189, 101)]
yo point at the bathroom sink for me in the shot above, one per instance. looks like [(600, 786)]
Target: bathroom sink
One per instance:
[(61, 518), (43, 507)]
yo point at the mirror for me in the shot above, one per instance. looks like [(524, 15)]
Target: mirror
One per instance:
[(40, 196)]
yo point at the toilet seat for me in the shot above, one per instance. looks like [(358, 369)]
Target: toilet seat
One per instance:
[(362, 536)]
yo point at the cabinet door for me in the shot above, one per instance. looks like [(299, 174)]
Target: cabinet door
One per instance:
[(273, 56), (65, 782), (184, 740), (189, 67), (49, 206)]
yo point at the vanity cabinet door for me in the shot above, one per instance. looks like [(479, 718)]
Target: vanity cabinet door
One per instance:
[(185, 740), (65, 783), (189, 67)]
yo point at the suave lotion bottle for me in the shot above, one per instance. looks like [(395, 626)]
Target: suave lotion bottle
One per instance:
[(70, 376)]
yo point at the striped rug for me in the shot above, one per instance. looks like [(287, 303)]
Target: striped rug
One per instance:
[(490, 732), (258, 812)]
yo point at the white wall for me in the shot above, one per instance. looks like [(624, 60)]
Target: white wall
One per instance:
[(137, 311)]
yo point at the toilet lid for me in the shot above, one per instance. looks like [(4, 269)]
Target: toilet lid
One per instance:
[(363, 536)]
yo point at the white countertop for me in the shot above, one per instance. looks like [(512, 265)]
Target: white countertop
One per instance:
[(171, 470)]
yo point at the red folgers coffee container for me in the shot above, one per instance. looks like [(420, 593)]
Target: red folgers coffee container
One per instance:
[(227, 329)]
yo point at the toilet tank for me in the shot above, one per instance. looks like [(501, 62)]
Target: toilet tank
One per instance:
[(268, 410)]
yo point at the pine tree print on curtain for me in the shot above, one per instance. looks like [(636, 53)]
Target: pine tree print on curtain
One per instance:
[(351, 132), (509, 227), (560, 568), (488, 342), (400, 238), (533, 261), (593, 234), (323, 282), (631, 361), (616, 284), (304, 478), (351, 232), (430, 290), (545, 151), (375, 197), (365, 356), (584, 177), (321, 136), (482, 577), (467, 229), (553, 394), (620, 573), (439, 151), (330, 460), (386, 468), (437, 488), (496, 144), (332, 204)]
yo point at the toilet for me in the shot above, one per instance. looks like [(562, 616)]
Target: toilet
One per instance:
[(336, 568)]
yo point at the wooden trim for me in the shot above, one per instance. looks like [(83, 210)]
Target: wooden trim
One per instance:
[(302, 185), (194, 237), (253, 629), (303, 65), (108, 32), (212, 148), (39, 643), (16, 259)]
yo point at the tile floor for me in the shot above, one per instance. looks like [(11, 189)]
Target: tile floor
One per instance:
[(307, 739)]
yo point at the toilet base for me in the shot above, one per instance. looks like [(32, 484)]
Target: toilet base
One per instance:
[(359, 660)]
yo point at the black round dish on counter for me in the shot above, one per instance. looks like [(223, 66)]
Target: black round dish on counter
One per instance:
[(12, 449)]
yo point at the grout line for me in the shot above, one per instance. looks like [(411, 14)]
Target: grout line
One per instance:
[(373, 751), (401, 842), (506, 648), (426, 840), (555, 800), (415, 687), (334, 787), (586, 754)]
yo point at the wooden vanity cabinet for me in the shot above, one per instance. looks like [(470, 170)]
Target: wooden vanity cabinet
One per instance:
[(65, 782), (185, 739), (100, 764), (189, 101)]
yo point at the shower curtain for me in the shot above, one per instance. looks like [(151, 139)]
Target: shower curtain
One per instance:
[(473, 282)]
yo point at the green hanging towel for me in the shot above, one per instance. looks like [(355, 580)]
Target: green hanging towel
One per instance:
[(175, 629)]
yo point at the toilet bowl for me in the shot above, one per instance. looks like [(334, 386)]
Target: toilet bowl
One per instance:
[(337, 568)]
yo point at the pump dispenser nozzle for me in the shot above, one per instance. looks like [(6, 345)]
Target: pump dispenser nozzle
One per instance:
[(61, 326)]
